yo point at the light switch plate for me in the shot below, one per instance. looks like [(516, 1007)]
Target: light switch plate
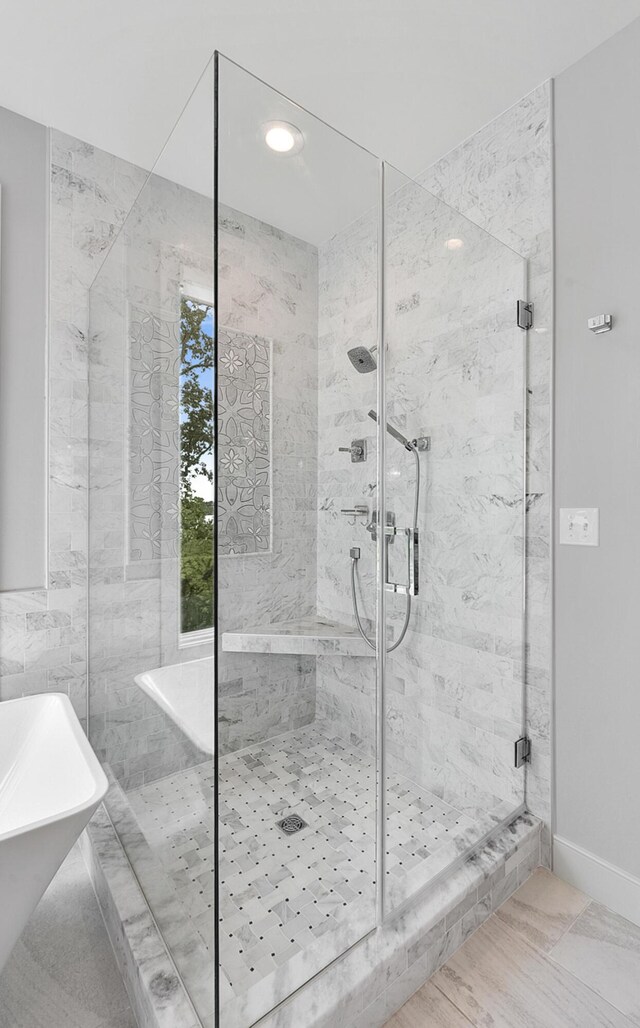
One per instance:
[(580, 526)]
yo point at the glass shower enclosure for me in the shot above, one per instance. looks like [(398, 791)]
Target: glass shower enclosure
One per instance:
[(307, 442)]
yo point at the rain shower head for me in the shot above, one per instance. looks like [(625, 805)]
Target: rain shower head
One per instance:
[(363, 359)]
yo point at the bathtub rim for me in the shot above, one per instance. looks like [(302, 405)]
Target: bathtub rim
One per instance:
[(100, 782)]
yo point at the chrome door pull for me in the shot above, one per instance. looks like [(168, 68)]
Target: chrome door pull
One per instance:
[(412, 585)]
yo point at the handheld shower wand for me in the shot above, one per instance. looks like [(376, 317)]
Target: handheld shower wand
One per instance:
[(413, 446)]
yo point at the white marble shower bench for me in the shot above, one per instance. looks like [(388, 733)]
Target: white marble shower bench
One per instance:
[(309, 635)]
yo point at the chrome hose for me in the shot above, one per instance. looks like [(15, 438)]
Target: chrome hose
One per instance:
[(354, 560)]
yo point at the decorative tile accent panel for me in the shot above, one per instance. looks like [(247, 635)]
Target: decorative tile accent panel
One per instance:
[(244, 443), (268, 291), (154, 434)]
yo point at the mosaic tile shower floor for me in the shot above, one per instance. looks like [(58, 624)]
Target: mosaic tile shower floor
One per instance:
[(283, 895)]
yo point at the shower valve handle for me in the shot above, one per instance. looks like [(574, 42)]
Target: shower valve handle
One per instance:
[(358, 450)]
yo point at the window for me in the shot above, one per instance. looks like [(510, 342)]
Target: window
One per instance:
[(196, 465)]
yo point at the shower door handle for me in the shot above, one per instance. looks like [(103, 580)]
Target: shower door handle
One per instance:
[(413, 562)]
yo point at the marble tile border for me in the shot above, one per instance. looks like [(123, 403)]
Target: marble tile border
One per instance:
[(156, 992), (375, 978)]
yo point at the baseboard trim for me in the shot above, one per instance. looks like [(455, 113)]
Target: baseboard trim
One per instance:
[(604, 882)]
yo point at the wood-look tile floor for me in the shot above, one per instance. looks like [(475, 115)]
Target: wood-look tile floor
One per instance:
[(550, 957)]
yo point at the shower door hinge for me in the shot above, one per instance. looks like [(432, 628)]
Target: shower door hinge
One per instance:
[(525, 314), (522, 751)]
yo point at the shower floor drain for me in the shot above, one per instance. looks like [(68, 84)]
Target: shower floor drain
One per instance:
[(291, 824)]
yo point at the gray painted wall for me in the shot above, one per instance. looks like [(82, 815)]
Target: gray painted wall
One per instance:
[(597, 450), (23, 305)]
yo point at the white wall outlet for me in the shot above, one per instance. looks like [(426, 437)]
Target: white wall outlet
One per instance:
[(580, 526)]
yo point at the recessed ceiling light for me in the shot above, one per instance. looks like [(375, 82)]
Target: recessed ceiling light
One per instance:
[(454, 244), (283, 138)]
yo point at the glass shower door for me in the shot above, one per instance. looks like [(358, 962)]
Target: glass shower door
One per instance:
[(454, 380), (297, 277), (151, 627)]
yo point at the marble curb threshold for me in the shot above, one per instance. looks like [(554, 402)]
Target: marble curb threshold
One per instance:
[(362, 989), (156, 993)]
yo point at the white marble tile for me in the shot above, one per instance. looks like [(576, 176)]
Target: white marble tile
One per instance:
[(157, 993), (311, 635), (370, 982), (456, 373)]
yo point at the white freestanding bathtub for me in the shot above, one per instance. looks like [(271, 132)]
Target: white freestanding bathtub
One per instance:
[(185, 693), (51, 782)]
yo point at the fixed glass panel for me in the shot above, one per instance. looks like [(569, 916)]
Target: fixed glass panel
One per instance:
[(297, 476), (151, 649), (454, 486)]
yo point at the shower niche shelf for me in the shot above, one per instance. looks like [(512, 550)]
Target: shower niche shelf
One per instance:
[(311, 635)]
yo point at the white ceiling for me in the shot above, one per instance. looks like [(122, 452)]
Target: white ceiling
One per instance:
[(407, 79)]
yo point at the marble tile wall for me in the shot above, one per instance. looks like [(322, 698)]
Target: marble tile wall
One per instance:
[(267, 293), (455, 372), (501, 179), (454, 687), (269, 290), (347, 292), (134, 476), (43, 632)]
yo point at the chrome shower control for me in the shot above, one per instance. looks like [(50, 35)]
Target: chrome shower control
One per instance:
[(359, 511), (358, 450), (422, 443), (372, 526)]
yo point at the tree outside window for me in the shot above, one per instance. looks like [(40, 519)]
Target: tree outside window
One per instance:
[(196, 465)]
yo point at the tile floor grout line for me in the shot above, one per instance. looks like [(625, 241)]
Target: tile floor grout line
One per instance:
[(554, 963), (573, 922), (632, 1020), (448, 998)]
